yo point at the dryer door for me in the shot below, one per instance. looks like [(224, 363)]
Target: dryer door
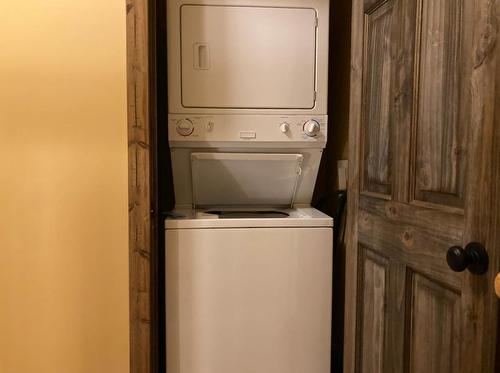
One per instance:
[(245, 57)]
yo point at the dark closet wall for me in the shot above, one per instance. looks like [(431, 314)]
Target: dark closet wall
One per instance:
[(165, 196), (326, 186), (325, 197)]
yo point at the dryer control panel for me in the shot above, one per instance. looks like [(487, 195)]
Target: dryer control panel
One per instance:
[(247, 131)]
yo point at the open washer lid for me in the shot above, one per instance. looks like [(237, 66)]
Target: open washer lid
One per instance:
[(245, 179)]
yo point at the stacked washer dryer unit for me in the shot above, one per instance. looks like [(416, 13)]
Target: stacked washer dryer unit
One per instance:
[(248, 261)]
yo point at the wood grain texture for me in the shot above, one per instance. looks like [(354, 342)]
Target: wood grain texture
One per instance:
[(440, 133), (403, 34), (140, 239), (445, 179), (388, 74), (434, 334), (400, 101), (371, 328), (482, 210), (353, 183), (377, 96), (417, 237)]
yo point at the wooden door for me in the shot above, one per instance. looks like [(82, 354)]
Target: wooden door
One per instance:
[(424, 176)]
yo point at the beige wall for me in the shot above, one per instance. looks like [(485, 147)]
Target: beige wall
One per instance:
[(63, 187)]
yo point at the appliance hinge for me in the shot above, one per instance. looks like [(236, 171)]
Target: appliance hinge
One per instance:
[(317, 22), (315, 95)]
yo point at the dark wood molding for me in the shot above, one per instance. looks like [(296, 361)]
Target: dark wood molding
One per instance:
[(482, 209), (140, 187), (351, 266)]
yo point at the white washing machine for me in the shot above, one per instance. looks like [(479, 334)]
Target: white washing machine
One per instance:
[(249, 291), (248, 261)]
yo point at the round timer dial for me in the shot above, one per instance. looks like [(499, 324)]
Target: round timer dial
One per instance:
[(185, 127), (311, 128)]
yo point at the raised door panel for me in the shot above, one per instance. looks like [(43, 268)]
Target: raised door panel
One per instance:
[(440, 130), (373, 285), (377, 96), (433, 337)]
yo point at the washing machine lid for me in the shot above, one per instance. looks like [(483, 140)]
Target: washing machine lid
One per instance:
[(245, 179), (248, 57)]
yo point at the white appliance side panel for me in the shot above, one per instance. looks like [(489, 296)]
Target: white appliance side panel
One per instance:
[(249, 300), (248, 57)]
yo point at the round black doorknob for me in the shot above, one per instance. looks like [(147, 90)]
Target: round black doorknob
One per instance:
[(474, 258)]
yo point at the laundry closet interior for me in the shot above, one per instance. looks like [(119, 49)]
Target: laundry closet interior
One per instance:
[(249, 103)]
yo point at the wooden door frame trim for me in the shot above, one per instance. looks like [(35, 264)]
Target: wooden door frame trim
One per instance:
[(351, 283), (141, 186)]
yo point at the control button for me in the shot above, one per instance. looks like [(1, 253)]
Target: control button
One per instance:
[(210, 126), (248, 135), (185, 127), (311, 128), (284, 127)]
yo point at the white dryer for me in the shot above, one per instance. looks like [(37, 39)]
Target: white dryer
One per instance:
[(248, 56)]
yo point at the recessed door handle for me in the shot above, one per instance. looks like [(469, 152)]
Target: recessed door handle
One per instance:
[(201, 56), (474, 258)]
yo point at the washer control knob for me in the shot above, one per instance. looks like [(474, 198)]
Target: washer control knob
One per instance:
[(284, 127), (185, 127), (311, 128)]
